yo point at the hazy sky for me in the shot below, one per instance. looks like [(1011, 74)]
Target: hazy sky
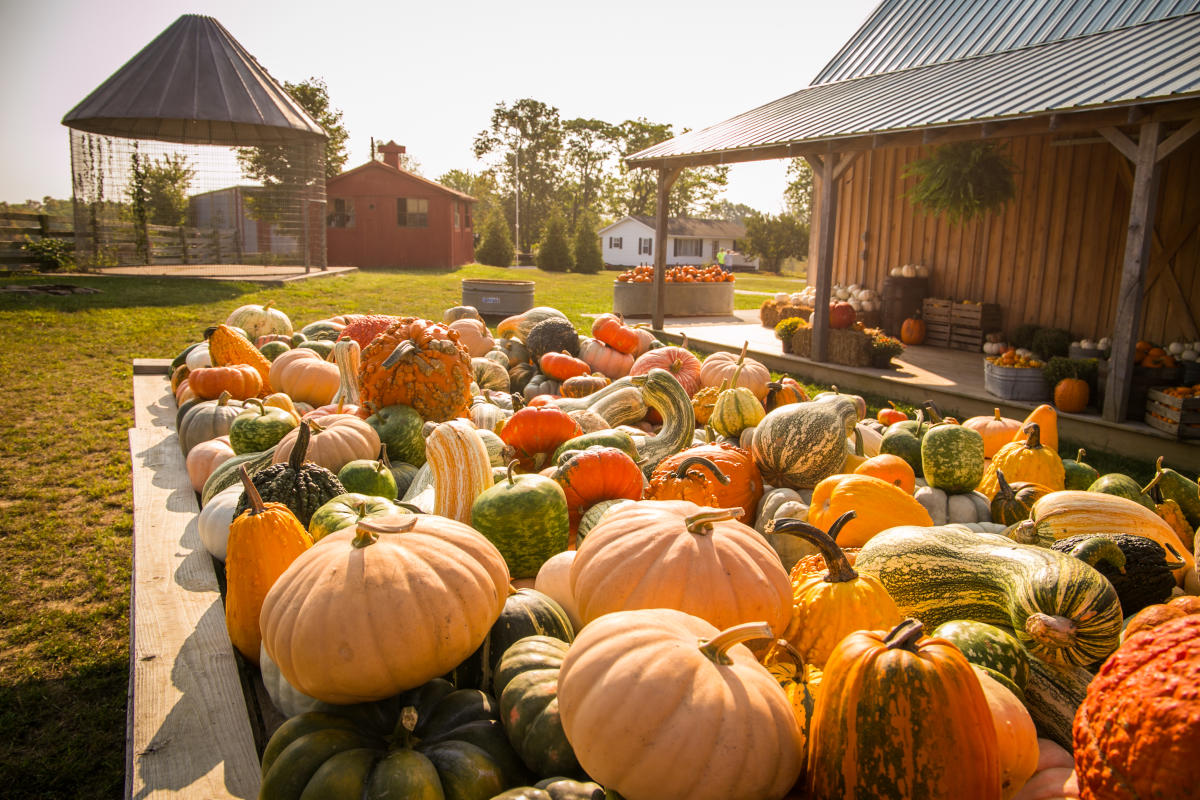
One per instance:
[(429, 74)]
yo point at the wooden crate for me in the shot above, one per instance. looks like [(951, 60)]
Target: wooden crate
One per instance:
[(970, 339), (1177, 416), (936, 310), (984, 316), (937, 334)]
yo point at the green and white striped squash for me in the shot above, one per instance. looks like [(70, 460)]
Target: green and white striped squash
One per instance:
[(735, 410), (800, 444), (666, 395), (1060, 609), (226, 474), (952, 458)]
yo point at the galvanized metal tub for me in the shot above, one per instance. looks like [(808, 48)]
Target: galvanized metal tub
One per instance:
[(497, 297)]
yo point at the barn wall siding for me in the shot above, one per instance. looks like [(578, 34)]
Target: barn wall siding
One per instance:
[(1052, 257)]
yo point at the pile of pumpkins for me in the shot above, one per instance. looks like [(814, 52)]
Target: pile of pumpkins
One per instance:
[(465, 572)]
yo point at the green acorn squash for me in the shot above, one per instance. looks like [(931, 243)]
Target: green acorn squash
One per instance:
[(527, 612), (1061, 609), (527, 684), (428, 742), (302, 487), (952, 458)]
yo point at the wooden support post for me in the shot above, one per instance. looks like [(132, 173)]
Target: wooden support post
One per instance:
[(1133, 273), (824, 170), (666, 179)]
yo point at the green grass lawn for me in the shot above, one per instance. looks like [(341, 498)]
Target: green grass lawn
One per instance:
[(66, 489)]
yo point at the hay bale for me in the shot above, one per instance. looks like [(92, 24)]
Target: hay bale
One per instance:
[(849, 347)]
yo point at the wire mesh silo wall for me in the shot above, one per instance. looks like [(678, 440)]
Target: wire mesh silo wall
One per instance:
[(147, 202)]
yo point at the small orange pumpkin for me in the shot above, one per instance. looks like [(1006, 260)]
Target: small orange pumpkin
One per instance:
[(879, 505), (242, 381), (1071, 395), (912, 331), (891, 468)]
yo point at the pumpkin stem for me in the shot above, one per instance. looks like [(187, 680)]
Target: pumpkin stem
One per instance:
[(716, 648), (905, 636), (1095, 549), (261, 408), (1179, 562), (1005, 491), (701, 523), (1051, 631), (1079, 456), (402, 350), (518, 401), (701, 461), (511, 465), (1025, 532), (836, 562), (1033, 432), (934, 414), (367, 532), (300, 446), (1151, 489), (224, 398), (383, 457), (773, 388), (996, 411), (255, 499)]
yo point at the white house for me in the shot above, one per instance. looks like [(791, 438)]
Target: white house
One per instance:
[(629, 242)]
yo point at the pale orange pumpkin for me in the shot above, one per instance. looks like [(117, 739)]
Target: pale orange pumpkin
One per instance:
[(891, 468), (659, 704), (337, 440), (383, 607), (721, 367), (305, 377), (1016, 735), (473, 335), (676, 554), (606, 360), (879, 506), (206, 457), (996, 431)]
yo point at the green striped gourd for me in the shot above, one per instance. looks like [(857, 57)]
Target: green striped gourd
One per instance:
[(952, 458), (800, 444), (736, 407), (987, 646), (664, 394), (1061, 609)]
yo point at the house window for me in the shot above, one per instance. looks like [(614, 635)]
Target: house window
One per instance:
[(645, 247), (614, 243), (689, 248), (341, 213), (412, 212)]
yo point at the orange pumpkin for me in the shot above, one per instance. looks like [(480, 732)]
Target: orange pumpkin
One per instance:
[(879, 505), (912, 331), (305, 377), (242, 381), (611, 329), (417, 363), (562, 365), (722, 367), (1071, 395), (783, 392), (996, 431), (680, 477), (893, 469), (679, 361)]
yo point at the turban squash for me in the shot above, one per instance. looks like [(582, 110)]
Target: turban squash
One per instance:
[(421, 364)]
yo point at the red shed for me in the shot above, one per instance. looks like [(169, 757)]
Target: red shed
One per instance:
[(379, 215)]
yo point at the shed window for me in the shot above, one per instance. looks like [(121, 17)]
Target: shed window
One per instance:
[(693, 248), (615, 243), (412, 212), (341, 213), (457, 216), (645, 247)]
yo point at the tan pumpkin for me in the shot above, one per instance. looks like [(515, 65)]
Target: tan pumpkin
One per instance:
[(658, 704), (676, 554), (473, 335), (383, 607), (337, 439), (720, 367), (1054, 778), (996, 431), (1016, 735), (305, 377), (206, 457), (606, 360)]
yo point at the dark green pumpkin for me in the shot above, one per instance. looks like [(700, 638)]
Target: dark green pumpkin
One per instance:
[(526, 517), (988, 646), (527, 684), (273, 350), (302, 487), (555, 789), (527, 612), (320, 329), (552, 335), (429, 742), (1013, 502), (259, 427), (1121, 485), (322, 347), (1137, 567), (400, 429), (903, 439), (952, 458), (1078, 475)]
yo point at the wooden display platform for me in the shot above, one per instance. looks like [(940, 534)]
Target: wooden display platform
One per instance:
[(190, 732)]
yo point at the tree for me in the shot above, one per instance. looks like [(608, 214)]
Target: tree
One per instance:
[(733, 212), (775, 238), (797, 197), (527, 137), (284, 169), (480, 185), (554, 254), (160, 188), (588, 155), (496, 248), (635, 191), (588, 258)]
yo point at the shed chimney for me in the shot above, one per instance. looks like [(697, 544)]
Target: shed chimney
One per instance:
[(391, 153)]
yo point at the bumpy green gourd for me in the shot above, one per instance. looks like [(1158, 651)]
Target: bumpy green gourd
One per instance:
[(301, 487)]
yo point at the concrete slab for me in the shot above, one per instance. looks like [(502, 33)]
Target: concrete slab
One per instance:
[(254, 273)]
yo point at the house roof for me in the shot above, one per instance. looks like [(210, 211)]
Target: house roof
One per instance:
[(331, 183), (1148, 63), (194, 84), (901, 34), (686, 226)]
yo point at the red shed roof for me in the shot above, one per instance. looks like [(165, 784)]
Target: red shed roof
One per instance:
[(331, 184)]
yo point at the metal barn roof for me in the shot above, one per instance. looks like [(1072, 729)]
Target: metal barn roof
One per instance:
[(194, 84), (1154, 61), (901, 34)]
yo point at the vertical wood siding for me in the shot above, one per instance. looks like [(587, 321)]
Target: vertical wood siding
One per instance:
[(1052, 257)]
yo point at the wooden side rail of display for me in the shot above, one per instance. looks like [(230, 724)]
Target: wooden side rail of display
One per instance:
[(188, 730)]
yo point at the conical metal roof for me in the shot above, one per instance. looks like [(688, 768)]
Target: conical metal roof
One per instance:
[(194, 84)]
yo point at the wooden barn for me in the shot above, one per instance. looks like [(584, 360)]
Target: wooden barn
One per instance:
[(380, 215), (1097, 104)]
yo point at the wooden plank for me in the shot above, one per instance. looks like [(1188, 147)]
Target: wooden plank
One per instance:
[(1133, 274), (1073, 235), (826, 190), (666, 179), (1177, 139), (189, 733), (1123, 143)]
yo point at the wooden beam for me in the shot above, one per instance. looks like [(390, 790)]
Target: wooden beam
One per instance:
[(1133, 273), (1123, 143), (826, 219), (666, 179), (844, 164), (1177, 139)]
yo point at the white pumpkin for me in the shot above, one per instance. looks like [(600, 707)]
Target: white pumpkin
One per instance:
[(868, 305), (797, 298), (1175, 348), (922, 271), (896, 272), (1024, 353), (962, 508), (1105, 342), (1188, 355), (782, 297), (215, 519), (908, 271), (554, 581), (199, 357)]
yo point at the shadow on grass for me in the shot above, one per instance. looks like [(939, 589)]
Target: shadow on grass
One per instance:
[(65, 737), (120, 292)]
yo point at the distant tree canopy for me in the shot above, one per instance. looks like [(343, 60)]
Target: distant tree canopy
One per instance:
[(774, 238), (797, 197), (158, 189)]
